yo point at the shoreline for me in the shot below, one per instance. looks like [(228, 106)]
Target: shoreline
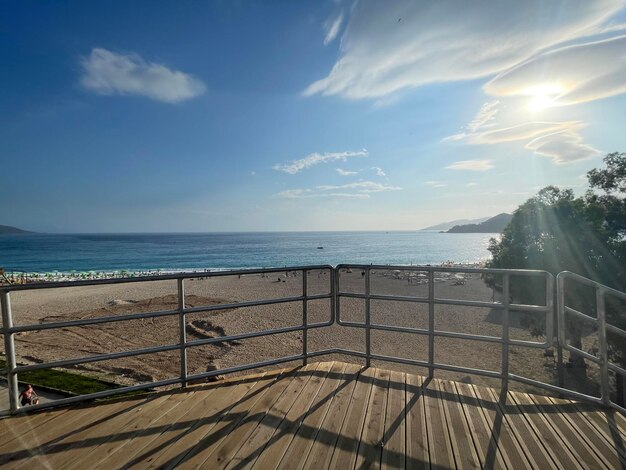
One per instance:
[(19, 277)]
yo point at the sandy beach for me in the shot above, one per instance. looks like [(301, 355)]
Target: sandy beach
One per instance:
[(61, 304)]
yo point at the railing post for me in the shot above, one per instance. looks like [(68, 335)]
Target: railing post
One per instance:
[(505, 330), (9, 349), (182, 332), (604, 356), (560, 319), (368, 346), (431, 323), (304, 318)]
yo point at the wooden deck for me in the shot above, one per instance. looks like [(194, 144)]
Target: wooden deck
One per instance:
[(325, 415)]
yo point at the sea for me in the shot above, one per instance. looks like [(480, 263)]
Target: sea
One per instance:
[(175, 252)]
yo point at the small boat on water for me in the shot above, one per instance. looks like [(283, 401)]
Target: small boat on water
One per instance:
[(320, 247)]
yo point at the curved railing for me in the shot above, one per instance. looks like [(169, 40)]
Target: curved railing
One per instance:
[(554, 331)]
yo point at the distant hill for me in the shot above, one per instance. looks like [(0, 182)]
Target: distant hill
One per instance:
[(449, 225), (6, 229), (494, 225)]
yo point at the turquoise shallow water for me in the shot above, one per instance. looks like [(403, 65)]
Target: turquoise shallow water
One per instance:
[(197, 251)]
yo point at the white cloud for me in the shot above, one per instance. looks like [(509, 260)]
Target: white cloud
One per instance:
[(379, 171), (358, 190), (471, 165), (387, 47), (562, 147), (296, 166), (346, 173), (362, 186), (110, 73), (527, 130), (471, 184), (332, 26), (435, 184), (569, 75)]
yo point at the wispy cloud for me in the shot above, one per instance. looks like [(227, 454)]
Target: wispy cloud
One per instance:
[(358, 190), (346, 172), (435, 184), (379, 171), (386, 48), (563, 147), (471, 184), (471, 165), (332, 26), (296, 166), (569, 75), (110, 73)]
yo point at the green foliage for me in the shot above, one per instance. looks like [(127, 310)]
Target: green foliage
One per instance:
[(556, 231)]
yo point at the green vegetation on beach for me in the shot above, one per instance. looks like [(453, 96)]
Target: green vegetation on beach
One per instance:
[(63, 381)]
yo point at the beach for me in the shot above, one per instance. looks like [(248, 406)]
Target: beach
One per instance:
[(82, 302)]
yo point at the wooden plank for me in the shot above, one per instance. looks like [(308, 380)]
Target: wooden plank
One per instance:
[(232, 434), (212, 423), (495, 443), (292, 448), (206, 410), (485, 433), (556, 416), (417, 452), (564, 454), (124, 436), (594, 426), (78, 445), (440, 447), (347, 445), (534, 451), (465, 454), (16, 426), (271, 439), (370, 449), (190, 401), (50, 440), (329, 431), (395, 433)]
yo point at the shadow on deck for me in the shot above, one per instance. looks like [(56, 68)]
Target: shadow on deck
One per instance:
[(324, 415)]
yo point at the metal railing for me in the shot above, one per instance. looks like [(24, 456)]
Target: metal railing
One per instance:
[(334, 295), (600, 323)]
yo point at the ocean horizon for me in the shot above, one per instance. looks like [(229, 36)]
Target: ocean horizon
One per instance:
[(140, 252)]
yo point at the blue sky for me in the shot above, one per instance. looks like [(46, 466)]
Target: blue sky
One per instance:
[(281, 115)]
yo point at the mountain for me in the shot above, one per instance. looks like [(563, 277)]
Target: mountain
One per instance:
[(6, 229), (494, 225), (449, 225)]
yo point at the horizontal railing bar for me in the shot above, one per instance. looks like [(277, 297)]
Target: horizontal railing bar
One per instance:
[(591, 283), (255, 303), (230, 370), (101, 357), (582, 353), (531, 344), (554, 388), (449, 269), (617, 369), (458, 302), (580, 315), (91, 321), (164, 277), (616, 330), (96, 395), (399, 298), (255, 334)]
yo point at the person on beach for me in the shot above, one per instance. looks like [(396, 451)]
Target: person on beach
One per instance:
[(28, 396)]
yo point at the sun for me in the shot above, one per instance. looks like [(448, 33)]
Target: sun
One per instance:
[(542, 96)]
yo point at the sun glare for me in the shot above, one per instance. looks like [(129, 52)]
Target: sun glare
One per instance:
[(542, 96)]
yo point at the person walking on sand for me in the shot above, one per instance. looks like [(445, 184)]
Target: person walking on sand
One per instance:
[(28, 396)]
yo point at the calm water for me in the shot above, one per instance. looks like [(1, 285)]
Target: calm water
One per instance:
[(137, 252)]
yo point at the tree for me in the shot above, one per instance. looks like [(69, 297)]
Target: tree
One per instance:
[(556, 231)]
